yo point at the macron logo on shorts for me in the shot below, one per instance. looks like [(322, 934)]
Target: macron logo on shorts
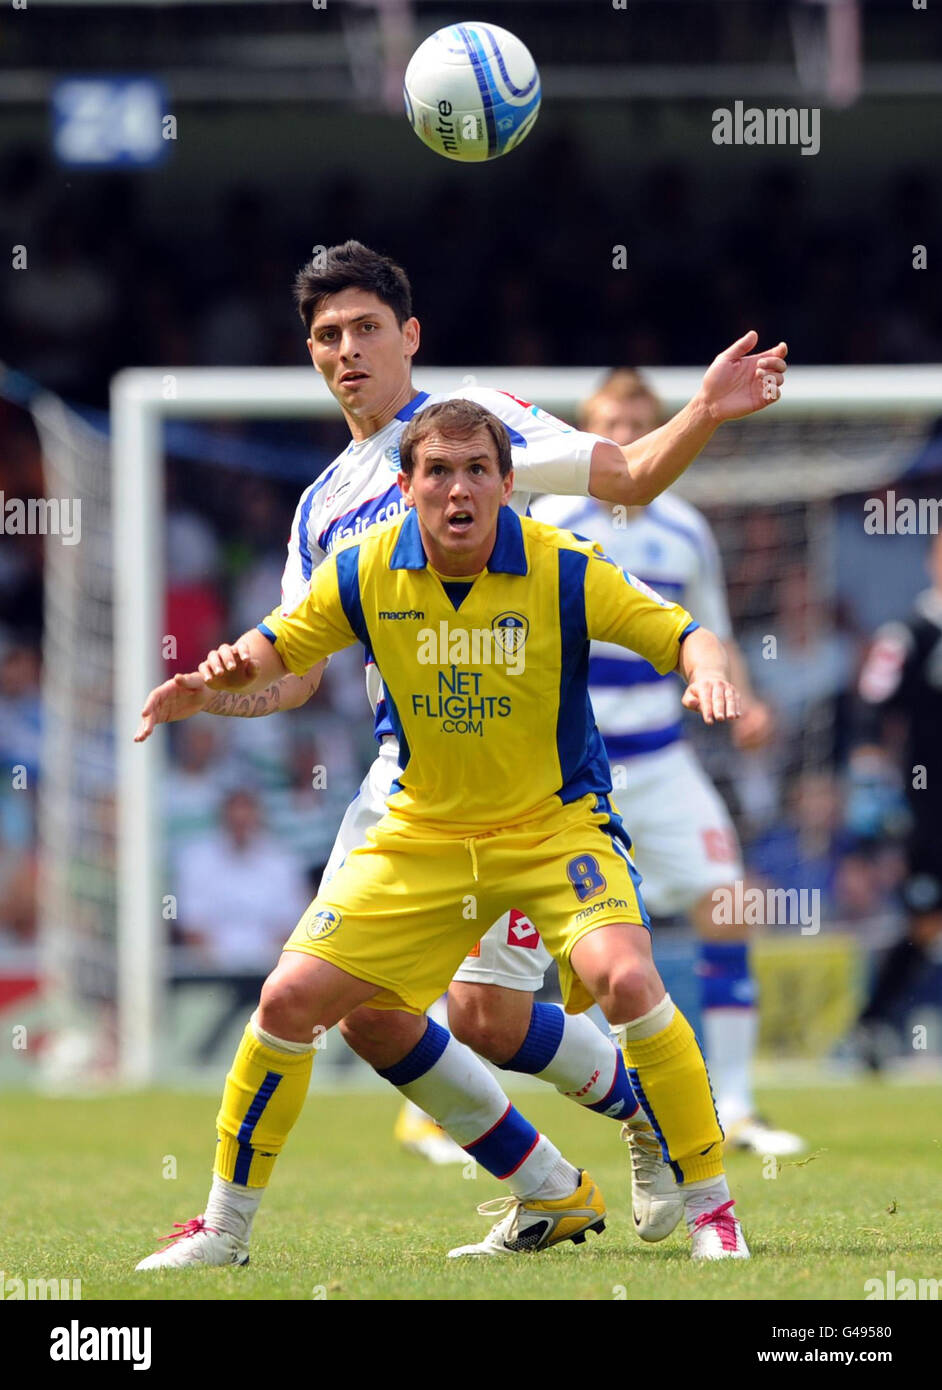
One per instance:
[(521, 931)]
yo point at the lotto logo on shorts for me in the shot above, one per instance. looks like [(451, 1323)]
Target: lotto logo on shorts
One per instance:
[(521, 931), (323, 923)]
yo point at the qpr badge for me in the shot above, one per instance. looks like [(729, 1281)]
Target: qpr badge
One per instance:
[(510, 632), (392, 458), (323, 923)]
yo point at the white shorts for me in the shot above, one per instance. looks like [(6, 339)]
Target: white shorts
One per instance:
[(683, 843), (682, 838), (365, 810)]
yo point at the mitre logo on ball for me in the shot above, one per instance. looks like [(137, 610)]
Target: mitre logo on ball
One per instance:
[(472, 92)]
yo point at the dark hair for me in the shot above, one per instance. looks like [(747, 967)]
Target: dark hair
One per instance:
[(351, 266), (457, 417)]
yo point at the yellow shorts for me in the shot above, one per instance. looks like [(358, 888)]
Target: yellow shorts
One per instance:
[(404, 909)]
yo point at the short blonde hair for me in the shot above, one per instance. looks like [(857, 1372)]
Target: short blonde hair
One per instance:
[(623, 384)]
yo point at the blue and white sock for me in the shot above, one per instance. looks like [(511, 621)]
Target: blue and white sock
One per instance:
[(728, 999), (446, 1080), (569, 1052)]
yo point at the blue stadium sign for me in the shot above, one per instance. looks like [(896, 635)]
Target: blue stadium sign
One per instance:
[(109, 122)]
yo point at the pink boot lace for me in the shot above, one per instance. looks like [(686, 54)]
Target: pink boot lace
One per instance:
[(182, 1229), (725, 1224)]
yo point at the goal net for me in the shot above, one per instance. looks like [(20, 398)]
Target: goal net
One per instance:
[(77, 787), (785, 493)]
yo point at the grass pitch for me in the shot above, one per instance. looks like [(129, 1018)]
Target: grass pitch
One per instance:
[(89, 1185)]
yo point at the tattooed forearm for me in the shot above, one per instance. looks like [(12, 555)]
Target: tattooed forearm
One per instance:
[(246, 706), (288, 693)]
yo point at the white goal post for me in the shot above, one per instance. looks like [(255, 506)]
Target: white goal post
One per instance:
[(141, 399)]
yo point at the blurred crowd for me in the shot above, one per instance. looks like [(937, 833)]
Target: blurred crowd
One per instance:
[(114, 281), (268, 792)]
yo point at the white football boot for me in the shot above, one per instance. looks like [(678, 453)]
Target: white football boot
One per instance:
[(657, 1203), (754, 1136), (528, 1225), (717, 1235), (195, 1243)]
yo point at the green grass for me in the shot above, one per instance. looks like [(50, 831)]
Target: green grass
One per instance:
[(348, 1214)]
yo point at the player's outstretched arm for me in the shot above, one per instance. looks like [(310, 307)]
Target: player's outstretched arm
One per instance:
[(291, 692), (705, 667), (251, 664), (186, 694), (738, 382)]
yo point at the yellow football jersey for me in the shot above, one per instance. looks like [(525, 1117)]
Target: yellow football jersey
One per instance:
[(485, 680)]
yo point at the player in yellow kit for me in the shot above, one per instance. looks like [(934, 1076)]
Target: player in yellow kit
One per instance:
[(480, 622)]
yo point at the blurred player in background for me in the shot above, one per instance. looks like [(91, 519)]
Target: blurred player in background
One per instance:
[(684, 841), (356, 306), (902, 679)]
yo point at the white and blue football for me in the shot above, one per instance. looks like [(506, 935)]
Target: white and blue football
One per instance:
[(472, 92)]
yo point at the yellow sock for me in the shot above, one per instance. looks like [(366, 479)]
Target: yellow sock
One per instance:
[(264, 1093), (669, 1076)]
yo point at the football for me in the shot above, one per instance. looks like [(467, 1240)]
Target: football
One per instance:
[(472, 92)]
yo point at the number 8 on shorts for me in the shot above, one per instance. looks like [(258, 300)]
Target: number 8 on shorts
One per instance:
[(586, 877)]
